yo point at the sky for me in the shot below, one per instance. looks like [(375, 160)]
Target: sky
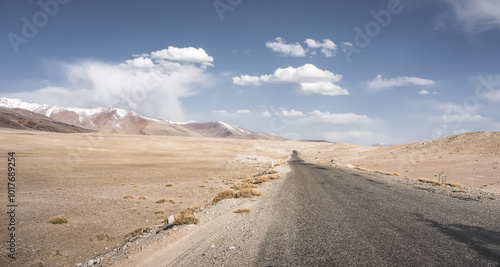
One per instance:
[(360, 72)]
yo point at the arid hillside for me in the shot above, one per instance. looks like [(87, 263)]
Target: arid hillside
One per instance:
[(470, 159)]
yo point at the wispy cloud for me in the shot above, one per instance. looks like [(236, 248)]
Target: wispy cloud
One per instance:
[(225, 113), (379, 83), (476, 16), (151, 85)]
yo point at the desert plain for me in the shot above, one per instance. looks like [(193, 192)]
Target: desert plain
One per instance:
[(107, 186)]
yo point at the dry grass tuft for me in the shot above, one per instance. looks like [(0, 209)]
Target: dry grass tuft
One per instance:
[(143, 198), (360, 169), (58, 220), (255, 192), (460, 191), (224, 195), (242, 211), (261, 179), (428, 181), (37, 264), (102, 237), (169, 185), (272, 172), (248, 193), (136, 234), (244, 185), (186, 216), (273, 176), (160, 201), (128, 197), (159, 212), (454, 185)]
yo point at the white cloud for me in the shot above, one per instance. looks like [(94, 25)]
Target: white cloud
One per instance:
[(360, 137), (476, 16), (338, 118), (311, 80), (461, 131), (294, 50), (494, 96), (456, 114), (186, 54), (380, 83), (328, 47), (424, 92), (290, 113), (220, 111), (225, 113), (139, 62), (322, 88), (266, 114), (149, 87)]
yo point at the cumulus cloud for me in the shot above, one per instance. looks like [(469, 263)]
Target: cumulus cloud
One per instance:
[(310, 80), (279, 46), (328, 47), (424, 92), (476, 16), (186, 54), (338, 118), (266, 114), (379, 83), (290, 113), (322, 88), (152, 86), (243, 111)]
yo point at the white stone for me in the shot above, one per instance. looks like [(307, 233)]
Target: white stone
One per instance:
[(170, 220)]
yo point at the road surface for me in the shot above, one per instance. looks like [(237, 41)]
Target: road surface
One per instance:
[(326, 216)]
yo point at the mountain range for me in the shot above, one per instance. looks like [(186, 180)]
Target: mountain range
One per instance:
[(17, 114)]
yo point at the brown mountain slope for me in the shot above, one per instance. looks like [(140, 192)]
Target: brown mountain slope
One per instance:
[(26, 120)]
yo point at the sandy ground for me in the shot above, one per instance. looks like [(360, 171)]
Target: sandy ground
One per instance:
[(86, 177)]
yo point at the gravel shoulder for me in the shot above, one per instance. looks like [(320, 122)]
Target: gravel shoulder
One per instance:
[(222, 238)]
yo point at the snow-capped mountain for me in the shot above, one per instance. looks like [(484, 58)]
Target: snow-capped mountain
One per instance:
[(121, 121)]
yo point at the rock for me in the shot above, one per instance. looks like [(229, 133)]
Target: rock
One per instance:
[(232, 247), (349, 165), (170, 220), (90, 263), (212, 246), (124, 247)]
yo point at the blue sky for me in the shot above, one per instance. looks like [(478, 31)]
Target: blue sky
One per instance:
[(361, 72)]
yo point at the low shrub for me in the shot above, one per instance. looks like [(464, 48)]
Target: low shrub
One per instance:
[(58, 220), (224, 195)]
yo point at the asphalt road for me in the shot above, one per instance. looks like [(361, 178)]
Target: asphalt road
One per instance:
[(325, 216)]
